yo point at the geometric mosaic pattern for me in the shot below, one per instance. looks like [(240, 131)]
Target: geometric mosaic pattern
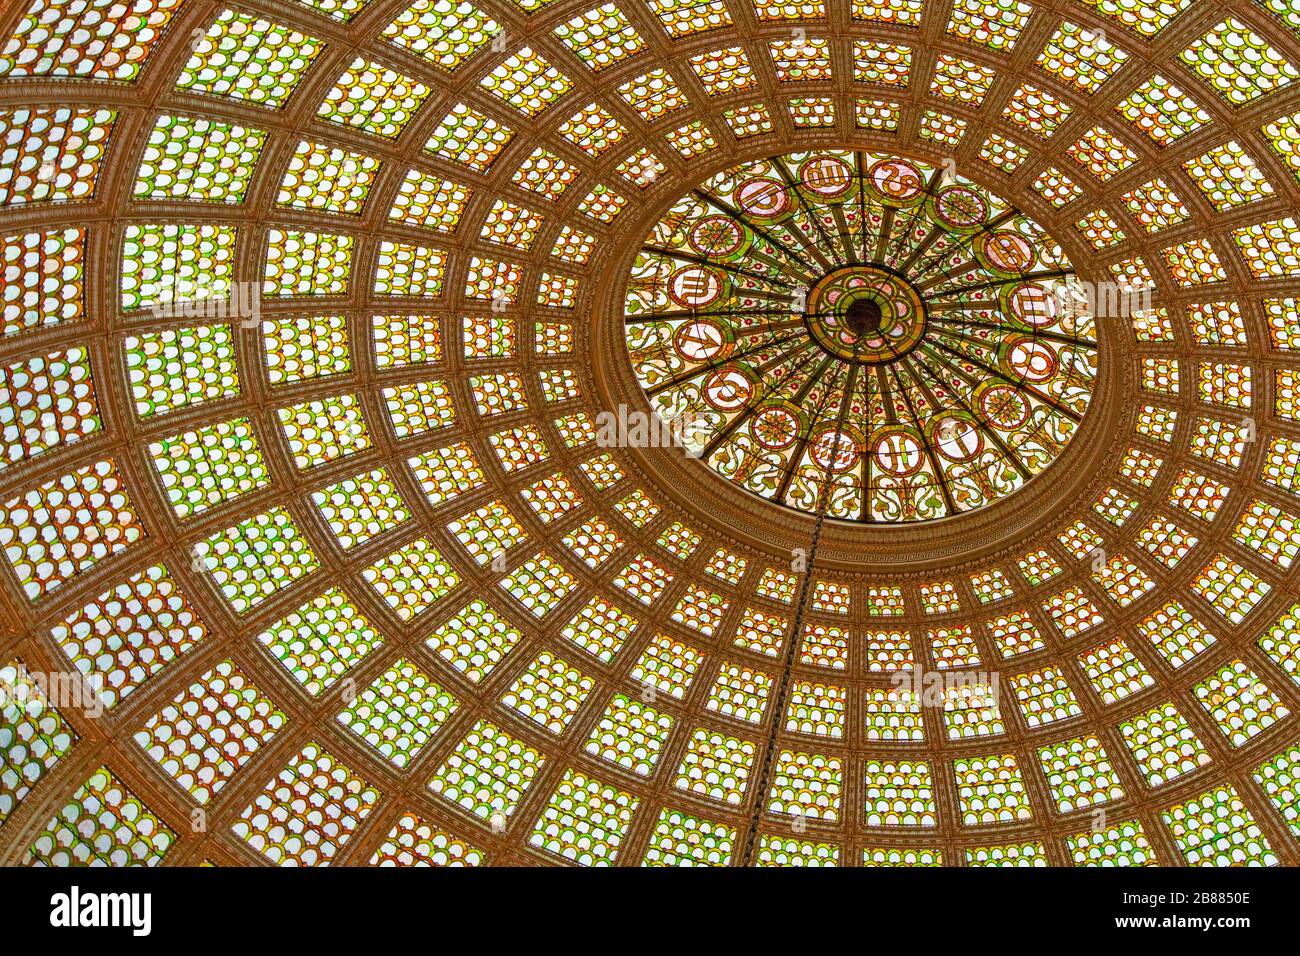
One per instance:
[(307, 507)]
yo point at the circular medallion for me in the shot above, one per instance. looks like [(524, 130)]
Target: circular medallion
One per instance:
[(869, 322)]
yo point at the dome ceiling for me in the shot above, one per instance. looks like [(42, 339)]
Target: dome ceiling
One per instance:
[(309, 313), (936, 322)]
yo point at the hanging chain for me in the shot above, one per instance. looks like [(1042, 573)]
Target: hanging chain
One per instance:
[(783, 685)]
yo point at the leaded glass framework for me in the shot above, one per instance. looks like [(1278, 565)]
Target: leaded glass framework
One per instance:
[(313, 314)]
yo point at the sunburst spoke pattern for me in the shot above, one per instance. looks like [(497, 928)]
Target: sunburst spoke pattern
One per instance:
[(961, 365)]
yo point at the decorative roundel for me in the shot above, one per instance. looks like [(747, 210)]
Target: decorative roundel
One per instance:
[(763, 200), (1031, 304), (1005, 252), (961, 208), (834, 448), (1031, 360), (897, 181), (700, 340), (776, 428), (1003, 406), (827, 176), (863, 334), (957, 437), (717, 236), (897, 450), (696, 287), (728, 389)]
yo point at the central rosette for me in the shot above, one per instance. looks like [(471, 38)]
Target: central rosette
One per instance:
[(865, 313)]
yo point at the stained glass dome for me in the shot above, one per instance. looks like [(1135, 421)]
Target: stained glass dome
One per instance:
[(860, 334), (311, 549)]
